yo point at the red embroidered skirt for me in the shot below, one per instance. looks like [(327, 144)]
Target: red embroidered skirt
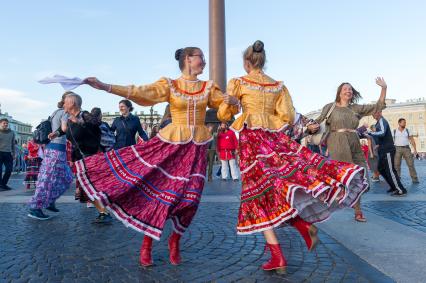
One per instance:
[(282, 179), (144, 185)]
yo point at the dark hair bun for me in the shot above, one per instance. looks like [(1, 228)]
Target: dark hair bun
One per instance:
[(128, 104), (258, 46), (178, 53)]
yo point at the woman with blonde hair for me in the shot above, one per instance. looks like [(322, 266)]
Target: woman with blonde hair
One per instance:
[(283, 181)]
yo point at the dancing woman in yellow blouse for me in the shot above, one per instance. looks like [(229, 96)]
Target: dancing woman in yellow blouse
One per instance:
[(144, 185), (283, 182)]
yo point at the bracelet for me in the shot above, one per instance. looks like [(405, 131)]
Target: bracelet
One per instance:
[(109, 88), (128, 92)]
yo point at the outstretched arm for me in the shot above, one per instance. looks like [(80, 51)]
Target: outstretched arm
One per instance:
[(368, 109), (381, 82), (145, 95)]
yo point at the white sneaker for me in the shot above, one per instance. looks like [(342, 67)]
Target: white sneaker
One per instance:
[(90, 205)]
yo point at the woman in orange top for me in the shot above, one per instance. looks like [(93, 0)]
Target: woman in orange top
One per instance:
[(146, 184), (283, 181)]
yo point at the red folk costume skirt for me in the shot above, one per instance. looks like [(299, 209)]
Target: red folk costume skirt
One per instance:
[(282, 179), (145, 184)]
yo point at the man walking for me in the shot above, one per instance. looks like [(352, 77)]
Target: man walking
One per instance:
[(387, 155), (7, 152), (402, 140)]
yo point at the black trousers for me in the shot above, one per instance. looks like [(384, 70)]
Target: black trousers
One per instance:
[(6, 159), (210, 161), (387, 170)]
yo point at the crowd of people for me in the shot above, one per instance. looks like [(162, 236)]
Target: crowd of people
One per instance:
[(146, 182)]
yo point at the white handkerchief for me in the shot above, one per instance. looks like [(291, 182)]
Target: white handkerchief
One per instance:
[(66, 83)]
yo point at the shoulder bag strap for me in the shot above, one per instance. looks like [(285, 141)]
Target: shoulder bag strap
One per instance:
[(330, 111), (54, 114), (75, 142)]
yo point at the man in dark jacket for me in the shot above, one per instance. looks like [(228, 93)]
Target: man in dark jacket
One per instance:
[(126, 126), (386, 151)]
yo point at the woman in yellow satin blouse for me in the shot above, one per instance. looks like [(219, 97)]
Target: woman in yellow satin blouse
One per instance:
[(282, 181), (144, 185)]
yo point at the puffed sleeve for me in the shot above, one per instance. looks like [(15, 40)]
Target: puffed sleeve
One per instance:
[(215, 97), (226, 111), (145, 95), (368, 109), (284, 107)]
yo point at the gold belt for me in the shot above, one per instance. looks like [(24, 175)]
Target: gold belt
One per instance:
[(344, 131)]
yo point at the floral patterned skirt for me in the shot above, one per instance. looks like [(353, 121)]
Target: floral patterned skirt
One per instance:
[(145, 184), (54, 179), (282, 179)]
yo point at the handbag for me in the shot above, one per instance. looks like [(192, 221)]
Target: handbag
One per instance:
[(321, 135)]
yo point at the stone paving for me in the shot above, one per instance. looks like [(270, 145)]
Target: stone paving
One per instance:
[(69, 248), (411, 213), (381, 187)]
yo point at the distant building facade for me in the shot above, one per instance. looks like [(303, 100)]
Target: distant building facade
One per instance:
[(23, 131)]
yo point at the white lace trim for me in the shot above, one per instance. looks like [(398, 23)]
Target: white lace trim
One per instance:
[(164, 171), (197, 97), (198, 175), (157, 167), (271, 89), (177, 227), (277, 221), (121, 215)]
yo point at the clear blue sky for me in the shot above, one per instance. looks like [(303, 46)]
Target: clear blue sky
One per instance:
[(312, 46)]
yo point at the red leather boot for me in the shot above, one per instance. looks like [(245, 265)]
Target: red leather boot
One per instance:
[(145, 257), (307, 230), (277, 261), (174, 248)]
